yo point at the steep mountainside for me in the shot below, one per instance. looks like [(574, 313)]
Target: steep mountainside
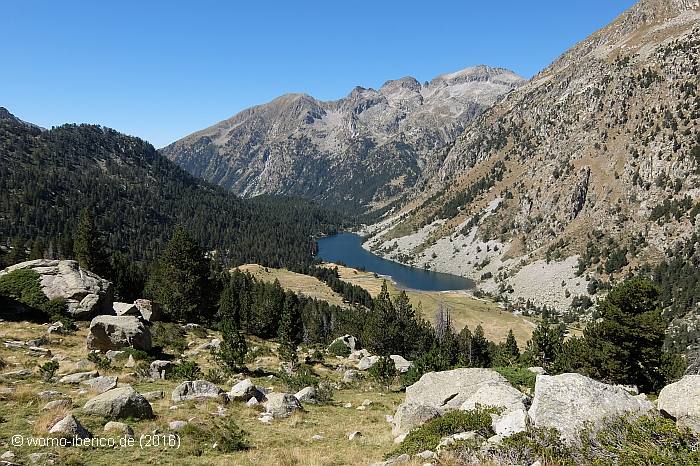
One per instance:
[(588, 170), (137, 197), (366, 147)]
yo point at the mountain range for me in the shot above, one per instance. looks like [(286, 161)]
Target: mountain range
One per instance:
[(361, 150)]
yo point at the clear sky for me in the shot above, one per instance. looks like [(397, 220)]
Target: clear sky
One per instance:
[(163, 69)]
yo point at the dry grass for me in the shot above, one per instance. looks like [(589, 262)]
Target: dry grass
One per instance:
[(47, 419), (300, 283)]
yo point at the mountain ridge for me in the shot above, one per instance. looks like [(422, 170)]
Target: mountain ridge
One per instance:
[(363, 148)]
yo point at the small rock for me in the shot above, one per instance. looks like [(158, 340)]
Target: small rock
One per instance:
[(361, 408), (244, 391), (56, 327), (100, 384), (111, 354), (48, 394), (351, 375), (20, 374), (57, 404), (160, 369), (8, 455), (176, 425), (306, 395), (282, 404), (366, 402), (400, 438), (154, 395), (197, 390), (347, 405), (317, 438), (130, 362), (252, 402), (70, 427), (119, 428), (355, 435), (78, 377), (537, 370), (425, 455)]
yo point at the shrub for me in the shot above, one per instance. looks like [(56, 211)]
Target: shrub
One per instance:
[(48, 370), (519, 377), (137, 354), (338, 348), (215, 375), (24, 286), (225, 434), (303, 377), (645, 440), (428, 436), (186, 370), (99, 361)]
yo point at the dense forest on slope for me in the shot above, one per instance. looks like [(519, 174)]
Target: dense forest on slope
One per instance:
[(136, 197)]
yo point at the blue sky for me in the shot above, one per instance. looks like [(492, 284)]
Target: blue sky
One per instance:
[(163, 69)]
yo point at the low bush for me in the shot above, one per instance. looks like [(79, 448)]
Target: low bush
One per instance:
[(48, 370), (170, 336), (101, 362), (338, 348), (428, 436), (186, 370), (225, 434)]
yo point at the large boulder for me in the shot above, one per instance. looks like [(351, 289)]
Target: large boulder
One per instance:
[(70, 428), (448, 390), (150, 311), (495, 394), (125, 309), (86, 294), (402, 364), (160, 369), (120, 403), (306, 395), (244, 391), (411, 415), (197, 390), (100, 384), (681, 398), (115, 332), (281, 404), (570, 402), (367, 362)]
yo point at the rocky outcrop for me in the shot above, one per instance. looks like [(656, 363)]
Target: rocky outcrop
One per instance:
[(150, 311), (115, 332), (347, 340), (197, 390), (120, 403), (86, 294), (306, 395), (570, 402)]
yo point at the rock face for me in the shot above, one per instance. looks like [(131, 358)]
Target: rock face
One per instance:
[(324, 150), (281, 404), (197, 390), (447, 390), (496, 394), (120, 403), (85, 293), (70, 427), (568, 401), (115, 332)]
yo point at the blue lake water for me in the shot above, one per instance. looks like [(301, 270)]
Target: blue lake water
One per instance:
[(347, 248)]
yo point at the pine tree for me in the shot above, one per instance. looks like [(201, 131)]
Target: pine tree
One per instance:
[(380, 333), (626, 344), (383, 372), (17, 252), (508, 352), (180, 279), (545, 345), (289, 330), (88, 247), (480, 349), (231, 354)]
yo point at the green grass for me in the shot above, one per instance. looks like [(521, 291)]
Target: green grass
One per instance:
[(519, 377)]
